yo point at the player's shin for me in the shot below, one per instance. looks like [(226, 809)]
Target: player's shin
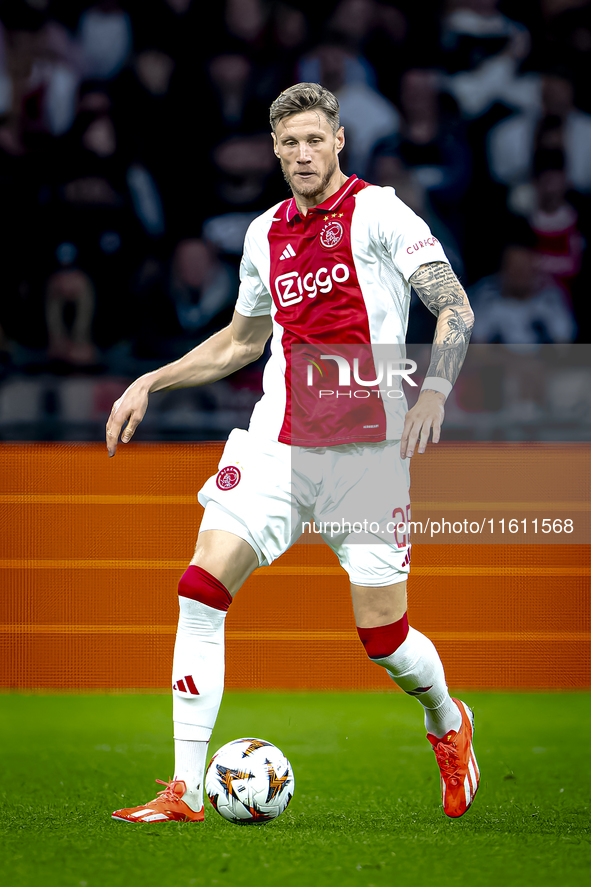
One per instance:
[(414, 665), (198, 675)]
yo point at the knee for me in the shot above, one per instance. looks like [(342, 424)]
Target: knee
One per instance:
[(198, 585), (383, 640)]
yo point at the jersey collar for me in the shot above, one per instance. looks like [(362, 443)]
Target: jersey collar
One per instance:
[(330, 204)]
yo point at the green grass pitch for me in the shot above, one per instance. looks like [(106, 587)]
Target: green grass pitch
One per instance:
[(366, 809)]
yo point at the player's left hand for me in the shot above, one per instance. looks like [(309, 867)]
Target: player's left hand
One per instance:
[(425, 417)]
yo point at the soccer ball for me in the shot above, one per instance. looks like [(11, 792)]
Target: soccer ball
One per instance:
[(249, 781)]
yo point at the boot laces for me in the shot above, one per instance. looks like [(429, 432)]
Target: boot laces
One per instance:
[(168, 794), (448, 760)]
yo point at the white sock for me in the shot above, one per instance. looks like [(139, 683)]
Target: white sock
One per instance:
[(190, 757), (444, 718), (416, 668), (198, 686)]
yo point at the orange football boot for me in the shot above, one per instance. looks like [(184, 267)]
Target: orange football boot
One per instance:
[(459, 771), (167, 807)]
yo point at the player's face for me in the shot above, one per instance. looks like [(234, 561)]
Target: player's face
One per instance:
[(308, 151)]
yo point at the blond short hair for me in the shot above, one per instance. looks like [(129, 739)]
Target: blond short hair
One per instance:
[(305, 97)]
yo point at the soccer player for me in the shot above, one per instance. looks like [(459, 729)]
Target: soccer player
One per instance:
[(327, 274)]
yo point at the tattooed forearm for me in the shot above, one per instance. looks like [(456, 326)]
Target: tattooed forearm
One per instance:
[(441, 291), (458, 330)]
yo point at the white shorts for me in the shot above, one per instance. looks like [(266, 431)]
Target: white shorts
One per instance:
[(356, 496)]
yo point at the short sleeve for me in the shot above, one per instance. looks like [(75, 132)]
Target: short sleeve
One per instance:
[(254, 300), (405, 235)]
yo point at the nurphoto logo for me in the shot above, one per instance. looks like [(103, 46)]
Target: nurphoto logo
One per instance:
[(386, 371)]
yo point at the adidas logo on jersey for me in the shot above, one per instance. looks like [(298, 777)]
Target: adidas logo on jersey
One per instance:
[(288, 252)]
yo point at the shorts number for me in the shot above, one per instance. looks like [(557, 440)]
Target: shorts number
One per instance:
[(402, 533)]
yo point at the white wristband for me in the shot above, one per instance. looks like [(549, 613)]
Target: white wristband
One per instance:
[(435, 383)]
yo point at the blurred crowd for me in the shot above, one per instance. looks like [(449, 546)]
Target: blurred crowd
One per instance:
[(135, 151)]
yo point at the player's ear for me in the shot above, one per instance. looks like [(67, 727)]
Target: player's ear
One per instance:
[(275, 151), (340, 139)]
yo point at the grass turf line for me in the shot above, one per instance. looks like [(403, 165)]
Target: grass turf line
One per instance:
[(366, 809)]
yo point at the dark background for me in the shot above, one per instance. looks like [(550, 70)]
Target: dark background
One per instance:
[(135, 150)]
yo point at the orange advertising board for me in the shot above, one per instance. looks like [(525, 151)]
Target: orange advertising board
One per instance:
[(92, 550)]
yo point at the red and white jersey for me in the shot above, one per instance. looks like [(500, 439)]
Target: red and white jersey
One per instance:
[(338, 276)]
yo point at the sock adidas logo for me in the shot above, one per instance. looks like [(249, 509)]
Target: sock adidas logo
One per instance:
[(186, 685), (418, 691), (288, 252)]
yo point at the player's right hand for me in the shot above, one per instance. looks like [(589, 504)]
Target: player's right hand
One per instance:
[(126, 415)]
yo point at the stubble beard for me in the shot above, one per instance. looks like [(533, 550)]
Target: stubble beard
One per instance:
[(311, 191)]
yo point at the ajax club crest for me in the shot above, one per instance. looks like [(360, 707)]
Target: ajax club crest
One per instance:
[(228, 477), (331, 234)]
